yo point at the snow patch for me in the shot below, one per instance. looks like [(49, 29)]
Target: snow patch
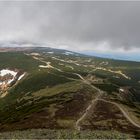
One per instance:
[(50, 52), (21, 76), (68, 53), (35, 54), (10, 81), (6, 71), (121, 89)]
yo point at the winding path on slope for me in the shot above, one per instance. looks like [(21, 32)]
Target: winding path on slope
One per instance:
[(93, 104), (48, 65), (124, 113)]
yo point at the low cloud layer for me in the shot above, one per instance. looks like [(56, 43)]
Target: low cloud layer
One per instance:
[(98, 26)]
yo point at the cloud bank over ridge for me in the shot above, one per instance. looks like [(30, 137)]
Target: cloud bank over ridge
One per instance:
[(93, 26)]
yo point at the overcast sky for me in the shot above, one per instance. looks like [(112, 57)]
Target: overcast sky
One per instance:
[(112, 27)]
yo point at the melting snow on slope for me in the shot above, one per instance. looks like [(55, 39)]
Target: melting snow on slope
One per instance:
[(35, 54), (6, 78), (21, 76), (50, 52), (68, 53), (121, 89), (6, 71)]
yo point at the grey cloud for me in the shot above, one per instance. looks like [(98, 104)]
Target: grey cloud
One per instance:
[(75, 22)]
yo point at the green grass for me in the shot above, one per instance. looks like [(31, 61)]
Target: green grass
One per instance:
[(37, 81), (63, 134), (18, 60), (59, 94), (63, 88), (109, 88), (32, 83), (48, 87)]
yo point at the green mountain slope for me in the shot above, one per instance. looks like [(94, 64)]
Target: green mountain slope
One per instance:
[(66, 90)]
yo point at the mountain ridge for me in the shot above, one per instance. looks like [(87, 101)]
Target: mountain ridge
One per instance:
[(59, 87)]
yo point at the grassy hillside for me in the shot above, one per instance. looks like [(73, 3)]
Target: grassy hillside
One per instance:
[(64, 134), (52, 98), (18, 60)]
